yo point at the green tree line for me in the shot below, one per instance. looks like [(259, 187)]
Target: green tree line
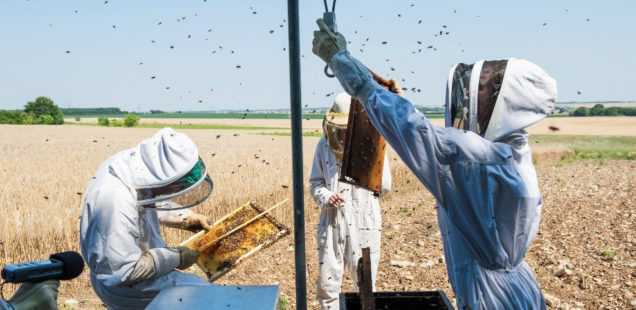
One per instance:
[(40, 111), (92, 111), (600, 110)]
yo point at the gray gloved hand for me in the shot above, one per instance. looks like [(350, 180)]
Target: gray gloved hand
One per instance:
[(36, 296), (195, 222), (326, 43), (187, 257)]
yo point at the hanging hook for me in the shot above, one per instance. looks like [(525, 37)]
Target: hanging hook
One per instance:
[(333, 6), (330, 21)]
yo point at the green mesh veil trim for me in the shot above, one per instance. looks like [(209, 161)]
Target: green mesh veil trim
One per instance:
[(191, 177)]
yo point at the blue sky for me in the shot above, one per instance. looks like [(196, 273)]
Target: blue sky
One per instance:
[(111, 56)]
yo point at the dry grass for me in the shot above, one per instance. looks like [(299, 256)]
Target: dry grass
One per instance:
[(46, 169)]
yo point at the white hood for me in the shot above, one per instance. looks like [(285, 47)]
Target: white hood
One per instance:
[(157, 161), (526, 96)]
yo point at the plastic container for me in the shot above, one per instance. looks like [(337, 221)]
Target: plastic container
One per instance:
[(433, 300)]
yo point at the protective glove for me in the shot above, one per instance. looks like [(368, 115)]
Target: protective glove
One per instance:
[(326, 43), (183, 219), (187, 257), (36, 296), (195, 222)]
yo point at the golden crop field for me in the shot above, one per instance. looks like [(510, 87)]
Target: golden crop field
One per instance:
[(49, 168), (45, 171)]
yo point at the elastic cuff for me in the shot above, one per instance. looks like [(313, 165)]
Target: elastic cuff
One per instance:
[(352, 74), (166, 260), (324, 201)]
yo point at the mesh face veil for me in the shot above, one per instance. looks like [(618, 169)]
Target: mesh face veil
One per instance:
[(184, 194), (335, 123), (335, 133), (460, 96), (473, 90)]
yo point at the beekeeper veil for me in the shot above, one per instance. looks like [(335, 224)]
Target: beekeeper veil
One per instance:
[(166, 167), (334, 125), (495, 98)]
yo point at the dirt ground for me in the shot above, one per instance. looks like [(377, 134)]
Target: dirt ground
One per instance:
[(584, 256)]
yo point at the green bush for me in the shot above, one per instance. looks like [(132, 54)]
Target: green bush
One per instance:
[(15, 117), (613, 111), (42, 107), (44, 119), (600, 110), (582, 111), (77, 118), (597, 110), (103, 121), (116, 123), (130, 120)]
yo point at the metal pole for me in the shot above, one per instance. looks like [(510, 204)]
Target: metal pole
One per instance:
[(297, 154)]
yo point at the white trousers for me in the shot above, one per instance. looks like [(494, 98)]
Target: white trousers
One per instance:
[(339, 246)]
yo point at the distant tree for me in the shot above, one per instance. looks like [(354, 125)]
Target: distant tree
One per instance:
[(612, 111), (627, 111), (92, 111), (130, 120), (42, 107), (597, 110), (581, 111), (156, 112), (103, 121)]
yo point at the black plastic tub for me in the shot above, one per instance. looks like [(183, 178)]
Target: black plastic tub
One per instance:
[(399, 300)]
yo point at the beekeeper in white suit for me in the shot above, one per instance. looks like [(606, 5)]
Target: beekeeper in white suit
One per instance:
[(479, 167), (131, 193), (350, 216)]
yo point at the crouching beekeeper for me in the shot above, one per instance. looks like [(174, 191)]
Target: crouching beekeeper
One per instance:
[(478, 168), (350, 216), (119, 229)]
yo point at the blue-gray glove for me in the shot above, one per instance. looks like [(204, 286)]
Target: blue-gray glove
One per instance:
[(326, 43)]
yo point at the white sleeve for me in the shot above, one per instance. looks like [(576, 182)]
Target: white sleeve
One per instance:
[(165, 259), (318, 189), (173, 218), (419, 144)]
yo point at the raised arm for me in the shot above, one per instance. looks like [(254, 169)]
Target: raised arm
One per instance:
[(419, 144)]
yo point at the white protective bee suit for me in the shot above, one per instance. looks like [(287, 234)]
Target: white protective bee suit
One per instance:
[(117, 227), (486, 187), (343, 231)]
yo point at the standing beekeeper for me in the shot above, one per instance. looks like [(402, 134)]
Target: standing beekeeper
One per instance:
[(119, 228), (479, 167), (350, 216)]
